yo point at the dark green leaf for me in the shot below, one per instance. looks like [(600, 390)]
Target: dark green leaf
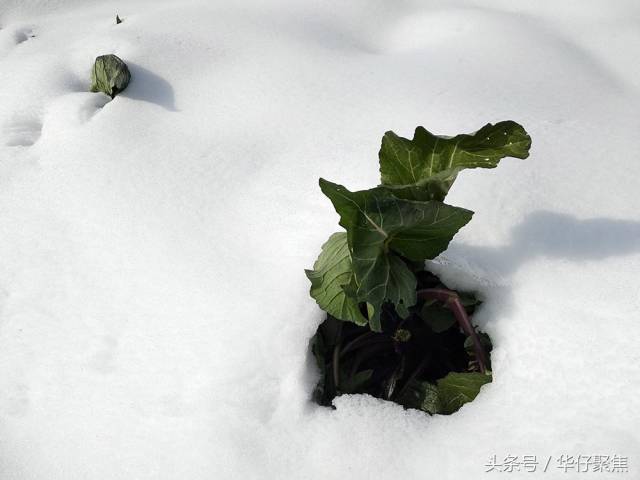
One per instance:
[(425, 168), (331, 272), (318, 349), (435, 187), (456, 389), (422, 396), (379, 224), (354, 383), (331, 331), (109, 75), (438, 318), (485, 341), (468, 300)]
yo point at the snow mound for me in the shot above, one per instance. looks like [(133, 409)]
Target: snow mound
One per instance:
[(154, 312)]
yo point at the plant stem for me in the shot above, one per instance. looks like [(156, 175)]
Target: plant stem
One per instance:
[(414, 374), (395, 376), (452, 301), (349, 346), (364, 354)]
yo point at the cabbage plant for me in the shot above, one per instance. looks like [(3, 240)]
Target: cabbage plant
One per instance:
[(109, 75), (373, 265)]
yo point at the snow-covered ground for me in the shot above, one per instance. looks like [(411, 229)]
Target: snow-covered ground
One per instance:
[(154, 312)]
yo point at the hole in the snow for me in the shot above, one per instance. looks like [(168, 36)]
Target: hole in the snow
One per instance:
[(434, 360)]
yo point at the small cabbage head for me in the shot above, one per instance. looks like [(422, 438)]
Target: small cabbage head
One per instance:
[(109, 75)]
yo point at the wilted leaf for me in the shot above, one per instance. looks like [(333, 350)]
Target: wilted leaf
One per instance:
[(331, 272), (456, 389), (425, 168)]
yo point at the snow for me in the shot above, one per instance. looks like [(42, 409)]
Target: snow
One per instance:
[(154, 313)]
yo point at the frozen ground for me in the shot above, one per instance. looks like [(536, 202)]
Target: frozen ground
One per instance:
[(154, 313)]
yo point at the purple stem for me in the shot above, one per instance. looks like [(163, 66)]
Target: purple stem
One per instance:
[(452, 301)]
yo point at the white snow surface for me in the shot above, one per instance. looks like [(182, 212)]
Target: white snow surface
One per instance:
[(154, 312)]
